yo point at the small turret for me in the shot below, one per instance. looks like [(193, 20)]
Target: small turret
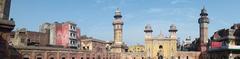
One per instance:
[(117, 17), (172, 31), (148, 28), (148, 32), (204, 16)]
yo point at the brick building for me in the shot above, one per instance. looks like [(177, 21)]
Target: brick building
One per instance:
[(35, 45)]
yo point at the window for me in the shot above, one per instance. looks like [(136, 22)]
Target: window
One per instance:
[(51, 58), (160, 57), (22, 40), (88, 47), (81, 57), (187, 57), (73, 42), (39, 58), (25, 58), (98, 57), (28, 41), (63, 57), (72, 27), (237, 42), (84, 48), (179, 57), (160, 46), (73, 57), (72, 35)]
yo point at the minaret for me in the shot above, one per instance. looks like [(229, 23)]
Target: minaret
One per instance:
[(5, 9), (172, 31), (117, 24), (148, 32), (203, 25), (6, 26), (148, 41)]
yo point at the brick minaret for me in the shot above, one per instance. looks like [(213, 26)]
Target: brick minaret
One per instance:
[(203, 25), (6, 26), (117, 24)]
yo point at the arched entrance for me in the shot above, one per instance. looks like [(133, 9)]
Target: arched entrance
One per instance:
[(26, 56), (98, 57)]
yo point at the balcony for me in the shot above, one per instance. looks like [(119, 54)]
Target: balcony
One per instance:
[(73, 44), (72, 28)]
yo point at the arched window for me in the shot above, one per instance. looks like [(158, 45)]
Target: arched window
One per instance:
[(160, 46), (187, 57), (26, 57), (160, 57), (51, 57), (98, 57), (73, 57), (84, 48), (39, 57)]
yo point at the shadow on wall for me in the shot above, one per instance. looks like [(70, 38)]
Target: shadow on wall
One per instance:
[(14, 54), (11, 51)]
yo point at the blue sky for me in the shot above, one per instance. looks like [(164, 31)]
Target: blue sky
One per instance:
[(94, 17)]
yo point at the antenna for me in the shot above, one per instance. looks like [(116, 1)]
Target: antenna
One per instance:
[(203, 3)]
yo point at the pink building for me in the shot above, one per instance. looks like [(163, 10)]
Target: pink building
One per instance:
[(65, 34)]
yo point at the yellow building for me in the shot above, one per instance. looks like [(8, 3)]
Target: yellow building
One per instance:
[(160, 47), (136, 48)]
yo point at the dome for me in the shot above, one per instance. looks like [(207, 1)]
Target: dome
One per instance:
[(117, 13), (203, 18), (173, 27), (148, 28)]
